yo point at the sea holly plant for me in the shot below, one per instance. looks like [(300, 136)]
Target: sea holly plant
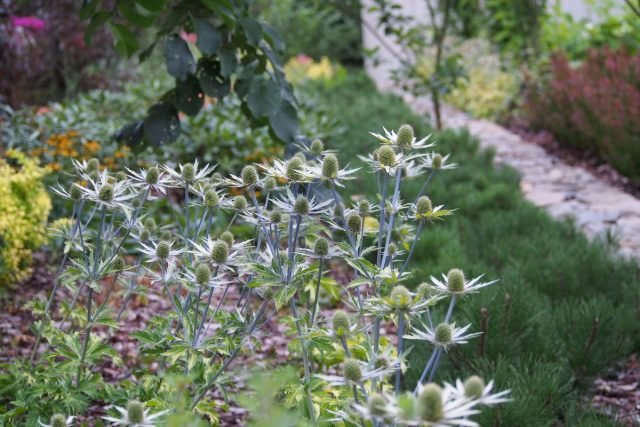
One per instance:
[(233, 255)]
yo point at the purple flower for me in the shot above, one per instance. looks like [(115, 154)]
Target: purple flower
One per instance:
[(28, 22)]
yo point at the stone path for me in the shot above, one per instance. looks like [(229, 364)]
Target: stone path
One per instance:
[(598, 208)]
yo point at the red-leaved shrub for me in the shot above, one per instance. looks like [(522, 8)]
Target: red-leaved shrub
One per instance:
[(595, 106)]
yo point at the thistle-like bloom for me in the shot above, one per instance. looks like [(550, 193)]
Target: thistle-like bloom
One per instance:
[(290, 204), (437, 161), (385, 159), (391, 137), (292, 170), (444, 335), (152, 179), (329, 171), (451, 285), (106, 193), (400, 300), (475, 388), (322, 249), (436, 407), (134, 415), (188, 173), (249, 179), (356, 371), (160, 251), (58, 420), (423, 210), (219, 253)]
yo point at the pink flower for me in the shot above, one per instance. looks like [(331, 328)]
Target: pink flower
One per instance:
[(28, 22), (189, 37), (303, 59)]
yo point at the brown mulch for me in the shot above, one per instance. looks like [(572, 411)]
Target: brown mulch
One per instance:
[(573, 156), (617, 392)]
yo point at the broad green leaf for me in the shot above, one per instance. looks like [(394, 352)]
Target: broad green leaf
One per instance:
[(180, 61), (264, 96), (96, 21), (152, 5), (129, 11), (211, 82), (283, 296), (188, 96), (252, 30), (126, 42), (161, 125), (284, 122), (209, 38)]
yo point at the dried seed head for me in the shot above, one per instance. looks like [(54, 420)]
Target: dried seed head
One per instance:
[(321, 247), (163, 250), (120, 176), (228, 238), (135, 412), (436, 161), (240, 203), (316, 147), (294, 169), (474, 387), (93, 165), (429, 405), (330, 166), (211, 198), (364, 207), (352, 371), (188, 172), (106, 193), (150, 224), (401, 297), (354, 222), (377, 405), (203, 274), (75, 192), (455, 280), (152, 175), (405, 136), (340, 323), (301, 206), (392, 249), (275, 216), (249, 175), (219, 251), (386, 156), (269, 183), (423, 206), (58, 420), (444, 334)]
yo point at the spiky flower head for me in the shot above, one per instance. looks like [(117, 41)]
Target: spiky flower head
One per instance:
[(294, 169), (189, 172), (352, 371), (316, 146), (429, 403), (405, 136), (135, 412), (269, 183), (364, 207), (436, 161), (152, 175), (240, 203), (423, 206), (211, 198), (386, 156), (455, 280), (423, 291), (58, 420), (401, 297), (392, 249), (330, 166), (474, 387), (106, 193), (118, 263), (444, 334), (388, 208), (166, 235), (145, 235), (301, 156), (120, 176), (377, 405), (150, 224), (249, 175), (219, 251), (75, 192), (135, 203), (227, 237), (163, 250), (275, 216), (301, 205), (354, 222), (267, 292), (321, 247), (93, 164), (203, 274), (340, 323)]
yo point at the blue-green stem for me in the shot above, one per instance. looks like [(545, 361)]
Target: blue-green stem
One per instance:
[(400, 349), (315, 299), (305, 361), (394, 204)]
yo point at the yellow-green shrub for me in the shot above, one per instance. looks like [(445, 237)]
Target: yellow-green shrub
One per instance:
[(24, 207)]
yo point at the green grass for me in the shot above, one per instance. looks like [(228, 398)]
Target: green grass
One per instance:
[(564, 308)]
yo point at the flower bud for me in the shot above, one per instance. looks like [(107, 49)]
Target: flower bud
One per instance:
[(301, 206), (203, 274), (93, 164), (330, 166), (135, 203), (352, 371), (377, 405), (388, 208), (249, 175), (275, 217), (429, 405), (340, 323), (455, 280), (321, 247), (267, 292), (386, 156), (188, 172), (106, 193), (405, 136), (211, 198), (228, 238), (219, 251), (423, 291), (166, 235), (294, 169), (152, 175), (354, 223), (118, 263), (436, 161), (444, 334), (135, 412), (474, 387), (316, 147), (58, 420), (392, 250), (75, 192), (145, 235), (150, 224), (120, 176), (401, 297), (240, 203), (364, 207), (423, 206), (163, 250), (269, 183)]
